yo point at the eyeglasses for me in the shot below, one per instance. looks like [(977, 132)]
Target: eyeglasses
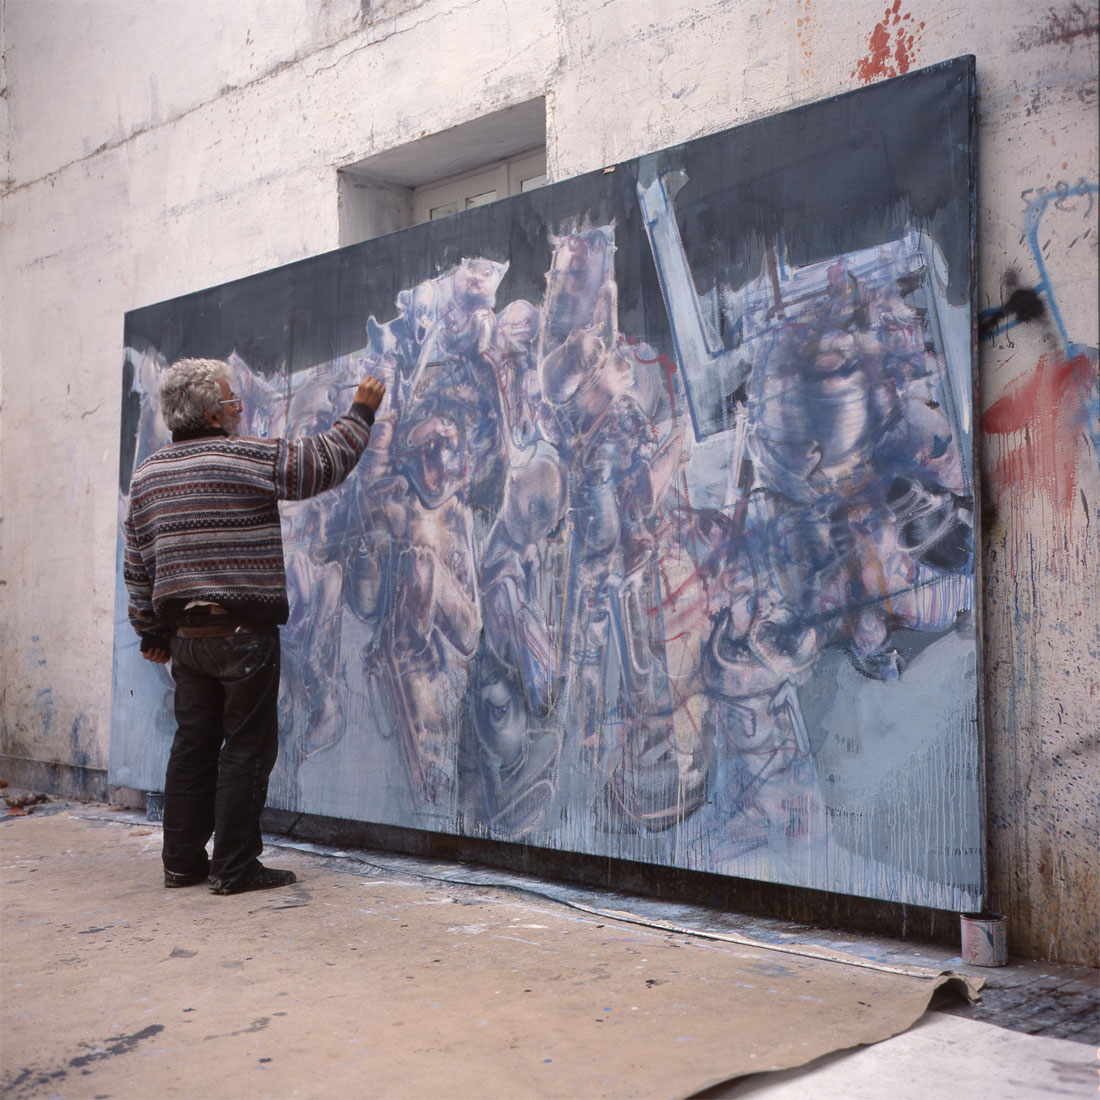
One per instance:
[(233, 399)]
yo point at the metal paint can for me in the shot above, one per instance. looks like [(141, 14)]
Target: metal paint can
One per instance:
[(983, 939), (154, 806)]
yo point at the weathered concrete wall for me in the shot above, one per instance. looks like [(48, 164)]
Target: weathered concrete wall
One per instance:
[(157, 148)]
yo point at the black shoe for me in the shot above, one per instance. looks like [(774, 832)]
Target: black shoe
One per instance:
[(172, 879), (266, 878)]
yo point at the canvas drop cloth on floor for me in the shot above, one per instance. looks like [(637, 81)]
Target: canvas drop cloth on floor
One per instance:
[(359, 982)]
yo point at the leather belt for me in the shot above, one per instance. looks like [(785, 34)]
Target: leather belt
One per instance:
[(217, 630)]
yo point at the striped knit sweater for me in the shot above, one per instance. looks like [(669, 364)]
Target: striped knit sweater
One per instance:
[(203, 521)]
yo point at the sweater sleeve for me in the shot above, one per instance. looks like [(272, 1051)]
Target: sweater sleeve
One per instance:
[(139, 584), (311, 465)]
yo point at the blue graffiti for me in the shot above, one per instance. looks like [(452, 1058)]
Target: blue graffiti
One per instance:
[(990, 319)]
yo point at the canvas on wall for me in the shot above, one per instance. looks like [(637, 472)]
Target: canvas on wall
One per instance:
[(664, 545)]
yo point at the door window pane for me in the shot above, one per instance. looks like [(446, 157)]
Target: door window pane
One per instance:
[(480, 200)]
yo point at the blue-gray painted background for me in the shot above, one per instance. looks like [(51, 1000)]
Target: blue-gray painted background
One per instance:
[(664, 546)]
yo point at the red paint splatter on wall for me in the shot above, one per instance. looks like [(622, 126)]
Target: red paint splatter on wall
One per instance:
[(1039, 419), (891, 47)]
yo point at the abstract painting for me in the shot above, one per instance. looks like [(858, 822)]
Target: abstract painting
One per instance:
[(664, 548)]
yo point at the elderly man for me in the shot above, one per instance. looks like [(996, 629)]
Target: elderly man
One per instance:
[(204, 569)]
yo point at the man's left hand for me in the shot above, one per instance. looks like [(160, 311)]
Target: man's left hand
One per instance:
[(159, 656)]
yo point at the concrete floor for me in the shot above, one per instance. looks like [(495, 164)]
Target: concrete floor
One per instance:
[(96, 945)]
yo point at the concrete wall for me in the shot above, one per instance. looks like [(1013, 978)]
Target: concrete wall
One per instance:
[(154, 148)]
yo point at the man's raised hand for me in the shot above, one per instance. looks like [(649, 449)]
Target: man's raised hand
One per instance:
[(370, 393)]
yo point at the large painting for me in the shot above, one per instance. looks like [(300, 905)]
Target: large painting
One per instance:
[(664, 547)]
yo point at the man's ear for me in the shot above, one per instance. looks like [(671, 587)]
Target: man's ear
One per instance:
[(213, 418)]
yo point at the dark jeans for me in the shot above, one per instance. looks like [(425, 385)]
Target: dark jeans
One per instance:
[(227, 739)]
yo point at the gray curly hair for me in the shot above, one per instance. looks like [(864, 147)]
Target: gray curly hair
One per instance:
[(188, 388)]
